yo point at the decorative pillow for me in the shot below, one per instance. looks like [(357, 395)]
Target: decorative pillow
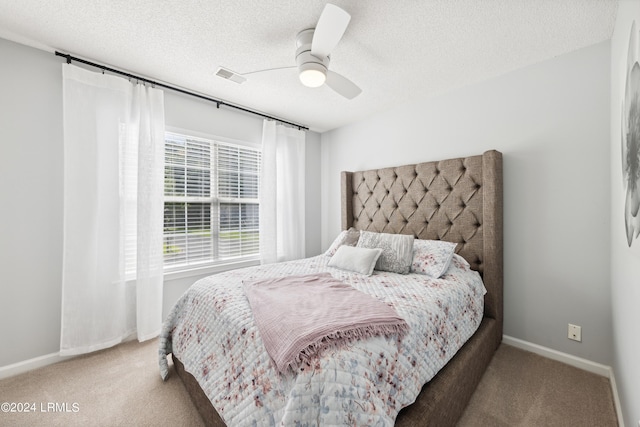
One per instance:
[(359, 260), (463, 262), (397, 250), (432, 257), (347, 237)]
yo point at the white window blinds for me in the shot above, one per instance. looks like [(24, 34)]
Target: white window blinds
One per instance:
[(211, 201)]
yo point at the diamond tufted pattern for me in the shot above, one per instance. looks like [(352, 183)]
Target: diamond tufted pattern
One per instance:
[(457, 200), (436, 201)]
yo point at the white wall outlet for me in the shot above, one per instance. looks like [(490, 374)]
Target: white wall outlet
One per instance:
[(575, 332)]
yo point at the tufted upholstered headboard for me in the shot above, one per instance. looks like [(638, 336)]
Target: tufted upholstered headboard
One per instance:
[(457, 200)]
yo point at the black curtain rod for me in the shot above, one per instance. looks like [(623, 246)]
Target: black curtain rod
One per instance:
[(176, 89)]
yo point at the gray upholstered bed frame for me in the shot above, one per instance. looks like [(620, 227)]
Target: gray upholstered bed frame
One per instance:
[(458, 200)]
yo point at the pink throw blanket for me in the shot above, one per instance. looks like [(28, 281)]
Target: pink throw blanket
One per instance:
[(300, 316)]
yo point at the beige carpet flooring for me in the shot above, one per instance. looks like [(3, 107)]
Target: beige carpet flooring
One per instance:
[(122, 387), (521, 389)]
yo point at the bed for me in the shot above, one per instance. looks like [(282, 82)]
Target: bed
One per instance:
[(455, 200)]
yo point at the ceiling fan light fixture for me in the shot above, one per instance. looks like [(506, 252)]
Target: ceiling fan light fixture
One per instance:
[(312, 74)]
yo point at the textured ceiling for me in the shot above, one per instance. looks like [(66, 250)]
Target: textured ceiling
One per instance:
[(395, 50)]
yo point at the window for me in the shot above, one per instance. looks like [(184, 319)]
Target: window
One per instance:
[(210, 201)]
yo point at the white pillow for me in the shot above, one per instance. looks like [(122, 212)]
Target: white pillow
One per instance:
[(347, 237), (358, 260), (397, 250), (432, 257)]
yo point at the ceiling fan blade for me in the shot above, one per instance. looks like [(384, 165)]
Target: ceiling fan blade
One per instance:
[(329, 30), (342, 85), (267, 70)]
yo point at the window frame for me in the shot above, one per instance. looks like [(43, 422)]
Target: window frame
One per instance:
[(213, 266)]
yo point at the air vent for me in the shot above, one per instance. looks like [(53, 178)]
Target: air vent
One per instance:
[(230, 75)]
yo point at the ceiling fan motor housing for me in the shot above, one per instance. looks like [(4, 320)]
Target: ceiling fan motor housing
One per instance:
[(314, 46), (304, 59)]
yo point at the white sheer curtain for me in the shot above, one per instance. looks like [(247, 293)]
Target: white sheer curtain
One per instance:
[(282, 195), (113, 211)]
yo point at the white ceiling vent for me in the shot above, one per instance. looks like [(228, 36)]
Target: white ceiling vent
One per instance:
[(230, 75)]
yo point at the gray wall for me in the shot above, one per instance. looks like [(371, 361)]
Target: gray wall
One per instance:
[(31, 193), (30, 202), (625, 261), (551, 122)]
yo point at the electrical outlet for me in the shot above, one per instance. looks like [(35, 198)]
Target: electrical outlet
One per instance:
[(575, 332)]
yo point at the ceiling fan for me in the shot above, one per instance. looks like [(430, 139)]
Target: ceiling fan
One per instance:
[(314, 46)]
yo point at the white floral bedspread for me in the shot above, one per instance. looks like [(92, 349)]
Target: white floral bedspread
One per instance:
[(212, 331)]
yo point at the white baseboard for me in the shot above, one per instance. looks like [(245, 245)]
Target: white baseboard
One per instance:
[(616, 399), (577, 362), (31, 364)]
